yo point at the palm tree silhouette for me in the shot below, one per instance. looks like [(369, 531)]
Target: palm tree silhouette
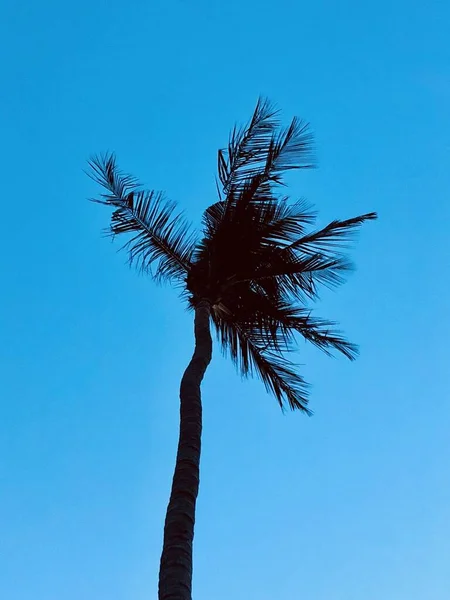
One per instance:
[(253, 272)]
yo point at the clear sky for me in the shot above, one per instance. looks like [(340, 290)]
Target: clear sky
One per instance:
[(351, 503)]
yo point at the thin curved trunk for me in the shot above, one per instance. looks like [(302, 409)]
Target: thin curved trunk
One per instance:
[(175, 573)]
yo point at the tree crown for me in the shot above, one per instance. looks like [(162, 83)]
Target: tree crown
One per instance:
[(259, 261)]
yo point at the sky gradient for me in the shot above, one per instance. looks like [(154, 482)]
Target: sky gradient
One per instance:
[(351, 503)]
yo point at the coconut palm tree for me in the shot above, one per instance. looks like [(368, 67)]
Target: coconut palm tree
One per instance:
[(252, 273)]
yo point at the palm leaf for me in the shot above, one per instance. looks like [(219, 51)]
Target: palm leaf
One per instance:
[(332, 238), (259, 154), (301, 276), (159, 233), (250, 355), (309, 261), (290, 149), (275, 320), (258, 332), (287, 319), (247, 147)]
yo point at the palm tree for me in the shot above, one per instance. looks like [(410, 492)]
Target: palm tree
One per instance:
[(252, 273)]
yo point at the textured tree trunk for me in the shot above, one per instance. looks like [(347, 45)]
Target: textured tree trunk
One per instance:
[(175, 573)]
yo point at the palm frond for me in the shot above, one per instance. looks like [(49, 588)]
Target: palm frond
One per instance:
[(275, 320), (298, 268), (159, 233), (260, 153), (322, 333), (257, 333), (332, 238), (281, 378), (247, 147), (302, 276), (287, 319), (250, 355), (290, 149)]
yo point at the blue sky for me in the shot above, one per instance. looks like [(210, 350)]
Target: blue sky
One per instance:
[(351, 503)]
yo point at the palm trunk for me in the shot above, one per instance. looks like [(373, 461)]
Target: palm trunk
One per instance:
[(175, 573)]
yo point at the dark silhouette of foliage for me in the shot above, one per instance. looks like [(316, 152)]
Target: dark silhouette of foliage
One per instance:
[(258, 262)]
